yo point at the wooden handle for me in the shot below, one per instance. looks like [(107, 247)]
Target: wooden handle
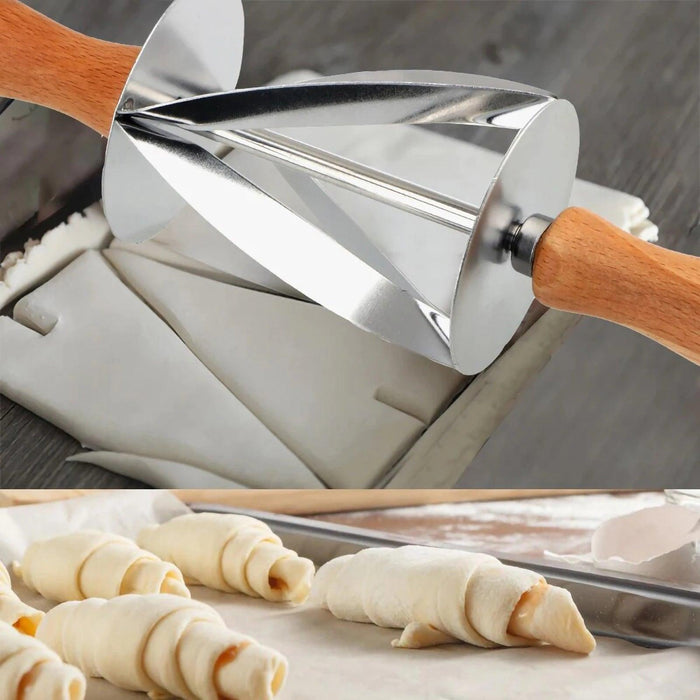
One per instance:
[(47, 64), (586, 265)]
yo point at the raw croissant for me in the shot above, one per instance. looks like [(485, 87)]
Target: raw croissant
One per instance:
[(440, 596), (29, 670), (13, 611), (163, 644), (90, 564), (231, 553)]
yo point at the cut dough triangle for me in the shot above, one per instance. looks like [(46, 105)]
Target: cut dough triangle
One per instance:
[(109, 372), (346, 402), (160, 473)]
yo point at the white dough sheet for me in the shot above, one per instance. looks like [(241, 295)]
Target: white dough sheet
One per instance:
[(85, 353), (331, 658), (174, 363), (343, 400), (21, 270), (263, 392)]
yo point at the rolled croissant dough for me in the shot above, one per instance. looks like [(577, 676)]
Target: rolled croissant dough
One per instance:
[(439, 595), (29, 670), (94, 564), (163, 644), (13, 611), (343, 400), (127, 383), (230, 552), (329, 657)]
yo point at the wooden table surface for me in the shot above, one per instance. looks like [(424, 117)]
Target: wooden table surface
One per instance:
[(308, 501), (611, 409)]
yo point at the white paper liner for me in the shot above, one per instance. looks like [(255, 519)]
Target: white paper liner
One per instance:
[(656, 542), (345, 661), (120, 512)]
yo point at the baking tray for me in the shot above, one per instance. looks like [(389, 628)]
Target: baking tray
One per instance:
[(648, 612)]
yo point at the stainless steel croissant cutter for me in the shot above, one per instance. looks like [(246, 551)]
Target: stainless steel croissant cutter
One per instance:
[(172, 108)]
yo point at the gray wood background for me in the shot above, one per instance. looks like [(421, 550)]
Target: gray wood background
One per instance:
[(611, 409)]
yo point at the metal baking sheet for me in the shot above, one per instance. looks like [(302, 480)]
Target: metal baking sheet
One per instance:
[(648, 612)]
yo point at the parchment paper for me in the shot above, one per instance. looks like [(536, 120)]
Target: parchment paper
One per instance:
[(331, 658), (659, 541)]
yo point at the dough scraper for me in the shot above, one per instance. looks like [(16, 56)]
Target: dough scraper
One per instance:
[(171, 108)]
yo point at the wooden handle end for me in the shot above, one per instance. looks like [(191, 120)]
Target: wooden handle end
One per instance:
[(586, 265), (48, 64)]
